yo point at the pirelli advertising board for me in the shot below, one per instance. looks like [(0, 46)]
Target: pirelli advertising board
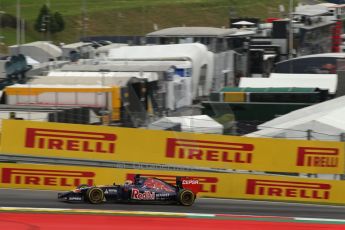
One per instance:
[(221, 185), (47, 139)]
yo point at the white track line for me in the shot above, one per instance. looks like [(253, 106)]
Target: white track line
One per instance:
[(104, 211), (320, 219)]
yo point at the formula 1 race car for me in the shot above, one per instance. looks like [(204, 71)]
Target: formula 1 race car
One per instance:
[(141, 189)]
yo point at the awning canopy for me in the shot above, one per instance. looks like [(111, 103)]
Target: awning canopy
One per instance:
[(244, 23)]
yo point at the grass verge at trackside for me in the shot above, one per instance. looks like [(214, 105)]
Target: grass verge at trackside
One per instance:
[(135, 17)]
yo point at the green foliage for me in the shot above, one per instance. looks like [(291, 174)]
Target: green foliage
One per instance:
[(8, 20), (48, 22), (53, 26), (41, 23), (133, 17), (59, 21)]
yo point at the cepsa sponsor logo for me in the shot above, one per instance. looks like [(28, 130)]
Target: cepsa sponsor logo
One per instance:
[(70, 140), (275, 188), (317, 157), (41, 177), (190, 182), (209, 150), (208, 184), (137, 195)]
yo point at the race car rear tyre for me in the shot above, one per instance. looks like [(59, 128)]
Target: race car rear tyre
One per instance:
[(186, 197), (95, 195)]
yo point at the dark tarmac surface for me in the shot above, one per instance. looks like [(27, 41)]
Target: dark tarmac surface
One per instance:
[(48, 199)]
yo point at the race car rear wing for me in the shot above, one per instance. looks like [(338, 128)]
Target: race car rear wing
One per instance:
[(188, 183)]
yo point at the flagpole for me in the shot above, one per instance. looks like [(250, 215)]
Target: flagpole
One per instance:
[(291, 30), (18, 26)]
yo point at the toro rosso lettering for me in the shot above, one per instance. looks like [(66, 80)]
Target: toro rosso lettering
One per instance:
[(209, 150), (137, 195)]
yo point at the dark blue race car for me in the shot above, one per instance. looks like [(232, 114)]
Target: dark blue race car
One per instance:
[(141, 189)]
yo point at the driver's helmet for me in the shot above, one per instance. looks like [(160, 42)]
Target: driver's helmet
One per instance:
[(128, 182)]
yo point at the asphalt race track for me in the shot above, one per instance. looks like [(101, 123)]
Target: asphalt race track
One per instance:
[(48, 199)]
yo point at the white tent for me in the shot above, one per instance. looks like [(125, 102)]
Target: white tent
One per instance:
[(197, 124), (243, 23), (311, 10), (41, 51), (324, 120), (31, 61)]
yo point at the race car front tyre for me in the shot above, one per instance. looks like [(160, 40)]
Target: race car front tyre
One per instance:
[(186, 197), (95, 195)]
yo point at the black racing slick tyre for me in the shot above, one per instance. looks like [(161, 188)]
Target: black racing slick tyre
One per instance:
[(95, 195), (186, 197)]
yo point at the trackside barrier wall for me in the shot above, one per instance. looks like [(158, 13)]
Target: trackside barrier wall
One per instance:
[(221, 185), (46, 139)]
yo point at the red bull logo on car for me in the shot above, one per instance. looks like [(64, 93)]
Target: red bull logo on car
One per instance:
[(147, 195)]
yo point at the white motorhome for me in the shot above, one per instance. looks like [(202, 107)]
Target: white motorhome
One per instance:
[(172, 77), (195, 54)]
